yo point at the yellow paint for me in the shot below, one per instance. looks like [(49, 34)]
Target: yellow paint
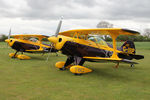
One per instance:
[(128, 50), (19, 38), (114, 36), (102, 31), (79, 69), (23, 57), (58, 45), (11, 41), (60, 64), (12, 55), (40, 37), (75, 35), (100, 58)]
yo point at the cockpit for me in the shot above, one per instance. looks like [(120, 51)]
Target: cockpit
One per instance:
[(98, 40), (32, 39)]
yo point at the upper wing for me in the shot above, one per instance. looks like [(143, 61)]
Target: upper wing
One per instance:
[(30, 35), (103, 31), (98, 59)]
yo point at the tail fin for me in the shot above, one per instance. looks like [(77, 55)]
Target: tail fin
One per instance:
[(128, 47)]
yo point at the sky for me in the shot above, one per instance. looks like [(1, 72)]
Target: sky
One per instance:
[(42, 16)]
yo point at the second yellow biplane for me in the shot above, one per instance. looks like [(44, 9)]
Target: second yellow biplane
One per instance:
[(29, 43), (82, 45)]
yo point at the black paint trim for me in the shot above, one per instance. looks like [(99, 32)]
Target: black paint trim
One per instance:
[(131, 31), (80, 50)]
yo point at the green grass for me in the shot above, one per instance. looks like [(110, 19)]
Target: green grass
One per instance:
[(37, 79)]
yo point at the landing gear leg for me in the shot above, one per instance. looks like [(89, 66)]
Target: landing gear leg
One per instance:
[(117, 65), (68, 62), (78, 61), (15, 54)]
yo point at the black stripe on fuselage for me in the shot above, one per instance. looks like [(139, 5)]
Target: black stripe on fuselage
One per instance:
[(19, 46), (80, 50)]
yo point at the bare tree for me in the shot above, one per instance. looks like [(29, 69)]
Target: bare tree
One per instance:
[(104, 24)]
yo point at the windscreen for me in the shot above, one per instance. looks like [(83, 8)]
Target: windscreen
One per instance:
[(98, 40)]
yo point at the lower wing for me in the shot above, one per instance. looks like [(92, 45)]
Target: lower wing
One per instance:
[(100, 59)]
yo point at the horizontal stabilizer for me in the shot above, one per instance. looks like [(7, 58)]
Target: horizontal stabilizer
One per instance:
[(137, 57)]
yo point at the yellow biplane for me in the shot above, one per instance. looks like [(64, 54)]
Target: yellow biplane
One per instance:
[(29, 43), (82, 45)]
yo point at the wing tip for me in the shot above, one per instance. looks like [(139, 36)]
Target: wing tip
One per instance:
[(131, 31)]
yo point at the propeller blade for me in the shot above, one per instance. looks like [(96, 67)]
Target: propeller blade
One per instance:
[(9, 34), (59, 26), (56, 34)]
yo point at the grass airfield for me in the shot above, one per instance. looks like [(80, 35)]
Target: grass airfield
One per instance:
[(37, 79)]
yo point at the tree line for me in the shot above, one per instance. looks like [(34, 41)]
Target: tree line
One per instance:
[(3, 37), (139, 38)]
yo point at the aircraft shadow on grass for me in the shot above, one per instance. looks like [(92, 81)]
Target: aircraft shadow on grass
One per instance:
[(111, 73)]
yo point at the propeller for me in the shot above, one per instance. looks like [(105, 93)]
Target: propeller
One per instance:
[(59, 26), (7, 40), (56, 34), (9, 33)]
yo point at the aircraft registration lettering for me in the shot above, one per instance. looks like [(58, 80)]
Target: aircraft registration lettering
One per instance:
[(79, 70)]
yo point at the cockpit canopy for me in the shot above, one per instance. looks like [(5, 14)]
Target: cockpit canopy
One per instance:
[(32, 39), (97, 39)]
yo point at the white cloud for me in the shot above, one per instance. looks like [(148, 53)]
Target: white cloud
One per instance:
[(41, 16)]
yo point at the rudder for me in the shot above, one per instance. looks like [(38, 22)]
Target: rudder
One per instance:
[(128, 47)]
